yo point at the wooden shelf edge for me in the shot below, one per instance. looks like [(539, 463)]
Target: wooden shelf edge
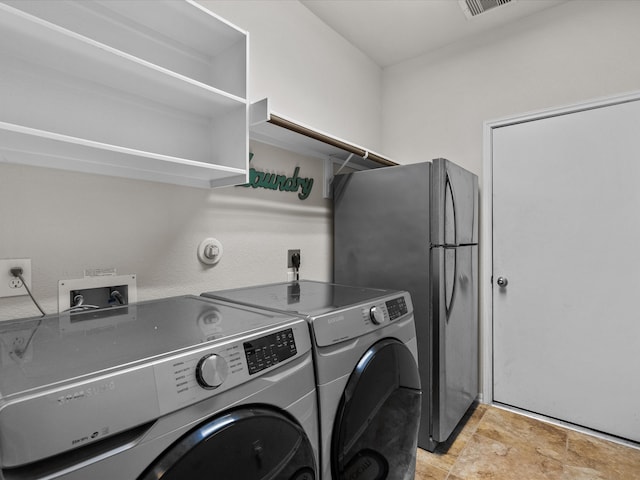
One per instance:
[(260, 113)]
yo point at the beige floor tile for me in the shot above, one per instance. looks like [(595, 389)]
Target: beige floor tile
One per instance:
[(596, 458), (581, 473), (486, 458), (472, 418), (446, 454), (445, 458), (425, 471), (495, 444), (524, 433)]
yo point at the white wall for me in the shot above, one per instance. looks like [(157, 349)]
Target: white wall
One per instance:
[(68, 222), (435, 106), (309, 72)]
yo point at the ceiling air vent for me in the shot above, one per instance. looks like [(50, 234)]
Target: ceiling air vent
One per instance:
[(472, 8)]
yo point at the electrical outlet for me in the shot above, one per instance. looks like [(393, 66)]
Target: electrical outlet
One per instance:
[(11, 286), (290, 254)]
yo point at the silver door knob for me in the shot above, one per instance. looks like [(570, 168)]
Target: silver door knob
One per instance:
[(502, 282)]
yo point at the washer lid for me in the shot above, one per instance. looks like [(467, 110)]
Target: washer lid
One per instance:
[(305, 297), (38, 352)]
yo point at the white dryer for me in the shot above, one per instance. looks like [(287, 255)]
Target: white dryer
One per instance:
[(180, 388), (367, 376)]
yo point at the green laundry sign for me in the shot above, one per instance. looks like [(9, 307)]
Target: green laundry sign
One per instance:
[(284, 183)]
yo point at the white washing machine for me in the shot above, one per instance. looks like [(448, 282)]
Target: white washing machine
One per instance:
[(367, 376), (180, 388)]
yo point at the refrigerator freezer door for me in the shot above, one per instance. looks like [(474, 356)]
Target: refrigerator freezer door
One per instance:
[(381, 229), (455, 300), (454, 194)]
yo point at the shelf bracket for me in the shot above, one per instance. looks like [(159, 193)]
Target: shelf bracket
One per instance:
[(344, 164), (328, 178), (329, 174)]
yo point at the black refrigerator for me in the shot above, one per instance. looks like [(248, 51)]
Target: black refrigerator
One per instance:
[(415, 228)]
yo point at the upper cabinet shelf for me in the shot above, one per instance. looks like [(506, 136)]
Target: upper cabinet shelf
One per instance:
[(157, 87)]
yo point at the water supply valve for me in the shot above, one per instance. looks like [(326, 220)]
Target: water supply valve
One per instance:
[(210, 251)]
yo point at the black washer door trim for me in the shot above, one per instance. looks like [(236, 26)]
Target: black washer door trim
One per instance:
[(375, 431), (249, 443)]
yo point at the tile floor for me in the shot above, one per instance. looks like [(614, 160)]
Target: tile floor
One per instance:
[(495, 444)]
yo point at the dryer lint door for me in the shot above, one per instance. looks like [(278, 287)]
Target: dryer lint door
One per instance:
[(376, 427), (249, 443)]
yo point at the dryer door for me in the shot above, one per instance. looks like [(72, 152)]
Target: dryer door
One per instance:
[(376, 427), (252, 443)]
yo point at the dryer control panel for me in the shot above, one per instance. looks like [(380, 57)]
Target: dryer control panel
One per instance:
[(396, 307), (264, 352), (344, 324)]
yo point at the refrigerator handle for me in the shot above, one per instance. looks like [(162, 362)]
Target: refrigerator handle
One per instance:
[(448, 189), (450, 197), (455, 282)]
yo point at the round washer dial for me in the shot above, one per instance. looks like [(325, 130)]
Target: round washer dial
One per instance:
[(376, 315), (211, 371)]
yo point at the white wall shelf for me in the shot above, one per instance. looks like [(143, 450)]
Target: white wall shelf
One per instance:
[(149, 90), (277, 130)]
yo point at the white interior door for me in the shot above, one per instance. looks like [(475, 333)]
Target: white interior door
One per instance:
[(566, 237)]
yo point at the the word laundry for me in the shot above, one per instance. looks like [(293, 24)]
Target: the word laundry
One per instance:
[(272, 181)]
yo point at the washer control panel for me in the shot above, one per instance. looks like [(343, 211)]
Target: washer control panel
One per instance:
[(269, 350), (196, 375)]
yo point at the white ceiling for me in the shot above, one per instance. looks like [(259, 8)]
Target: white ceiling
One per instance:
[(391, 31)]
